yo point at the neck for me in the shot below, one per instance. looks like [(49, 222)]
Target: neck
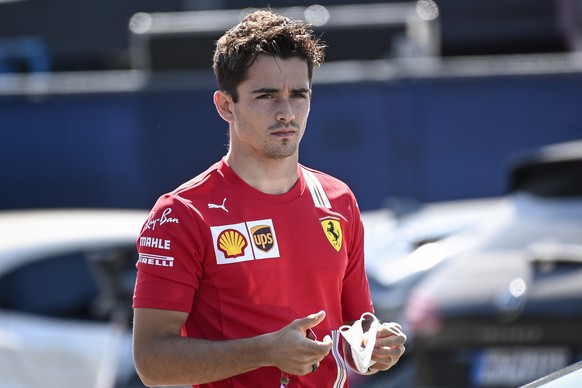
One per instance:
[(270, 176)]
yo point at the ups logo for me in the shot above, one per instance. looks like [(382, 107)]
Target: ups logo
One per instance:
[(263, 237)]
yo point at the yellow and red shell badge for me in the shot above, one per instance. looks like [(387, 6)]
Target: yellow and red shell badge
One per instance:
[(231, 243)]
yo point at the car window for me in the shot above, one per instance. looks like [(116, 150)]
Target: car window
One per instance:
[(76, 285)]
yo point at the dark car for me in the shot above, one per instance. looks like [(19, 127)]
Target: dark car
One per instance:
[(507, 308), (400, 246)]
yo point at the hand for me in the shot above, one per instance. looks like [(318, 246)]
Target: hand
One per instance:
[(389, 346), (294, 352)]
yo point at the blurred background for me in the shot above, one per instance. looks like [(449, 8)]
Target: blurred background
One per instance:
[(438, 114), (106, 103)]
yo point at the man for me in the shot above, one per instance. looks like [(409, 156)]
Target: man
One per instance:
[(247, 271)]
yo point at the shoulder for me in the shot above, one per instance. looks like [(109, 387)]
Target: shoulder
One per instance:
[(329, 189), (189, 196), (201, 182), (327, 182)]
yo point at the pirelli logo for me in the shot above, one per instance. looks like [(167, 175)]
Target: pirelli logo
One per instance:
[(251, 240), (156, 260)]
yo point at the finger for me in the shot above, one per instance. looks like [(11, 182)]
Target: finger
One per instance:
[(309, 321), (387, 357), (327, 340), (390, 336), (386, 351), (384, 364), (321, 348), (392, 327), (393, 340), (308, 368)]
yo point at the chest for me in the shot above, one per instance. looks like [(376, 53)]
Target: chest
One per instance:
[(291, 242)]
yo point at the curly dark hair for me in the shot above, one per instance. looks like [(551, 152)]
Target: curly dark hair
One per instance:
[(263, 32)]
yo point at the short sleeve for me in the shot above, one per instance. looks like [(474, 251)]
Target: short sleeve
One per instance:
[(169, 264)]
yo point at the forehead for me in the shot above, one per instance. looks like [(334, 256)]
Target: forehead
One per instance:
[(275, 72)]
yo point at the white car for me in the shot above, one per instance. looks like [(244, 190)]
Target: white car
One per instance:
[(66, 283)]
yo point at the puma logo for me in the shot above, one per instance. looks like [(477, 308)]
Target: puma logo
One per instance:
[(215, 206)]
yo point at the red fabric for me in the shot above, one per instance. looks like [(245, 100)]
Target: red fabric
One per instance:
[(276, 263)]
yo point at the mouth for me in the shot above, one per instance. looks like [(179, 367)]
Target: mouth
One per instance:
[(284, 132)]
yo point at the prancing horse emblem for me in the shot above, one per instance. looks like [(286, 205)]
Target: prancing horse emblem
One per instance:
[(333, 231)]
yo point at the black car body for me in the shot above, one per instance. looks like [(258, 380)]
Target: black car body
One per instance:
[(507, 308)]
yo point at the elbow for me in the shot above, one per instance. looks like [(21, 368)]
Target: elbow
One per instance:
[(154, 370), (145, 374), (148, 382), (146, 370)]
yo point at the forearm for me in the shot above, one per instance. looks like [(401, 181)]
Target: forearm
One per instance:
[(163, 357), (175, 360)]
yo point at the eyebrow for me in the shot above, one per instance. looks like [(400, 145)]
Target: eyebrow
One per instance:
[(273, 90)]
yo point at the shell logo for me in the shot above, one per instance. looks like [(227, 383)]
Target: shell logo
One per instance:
[(232, 243)]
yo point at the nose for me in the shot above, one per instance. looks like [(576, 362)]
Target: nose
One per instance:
[(285, 112)]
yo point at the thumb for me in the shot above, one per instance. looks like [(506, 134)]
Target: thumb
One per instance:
[(310, 321)]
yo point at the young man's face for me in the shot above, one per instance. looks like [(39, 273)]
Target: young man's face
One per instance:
[(270, 116)]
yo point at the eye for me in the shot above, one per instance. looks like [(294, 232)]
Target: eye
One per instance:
[(265, 96), (299, 95)]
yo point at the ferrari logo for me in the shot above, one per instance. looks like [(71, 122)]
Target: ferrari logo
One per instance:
[(333, 231)]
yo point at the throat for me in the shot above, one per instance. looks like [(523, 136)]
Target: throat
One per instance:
[(269, 176), (273, 187)]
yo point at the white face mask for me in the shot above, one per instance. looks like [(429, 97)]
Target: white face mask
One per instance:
[(361, 343)]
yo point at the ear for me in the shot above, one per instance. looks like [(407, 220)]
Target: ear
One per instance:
[(223, 103)]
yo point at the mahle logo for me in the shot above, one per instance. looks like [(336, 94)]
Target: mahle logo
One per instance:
[(263, 237)]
